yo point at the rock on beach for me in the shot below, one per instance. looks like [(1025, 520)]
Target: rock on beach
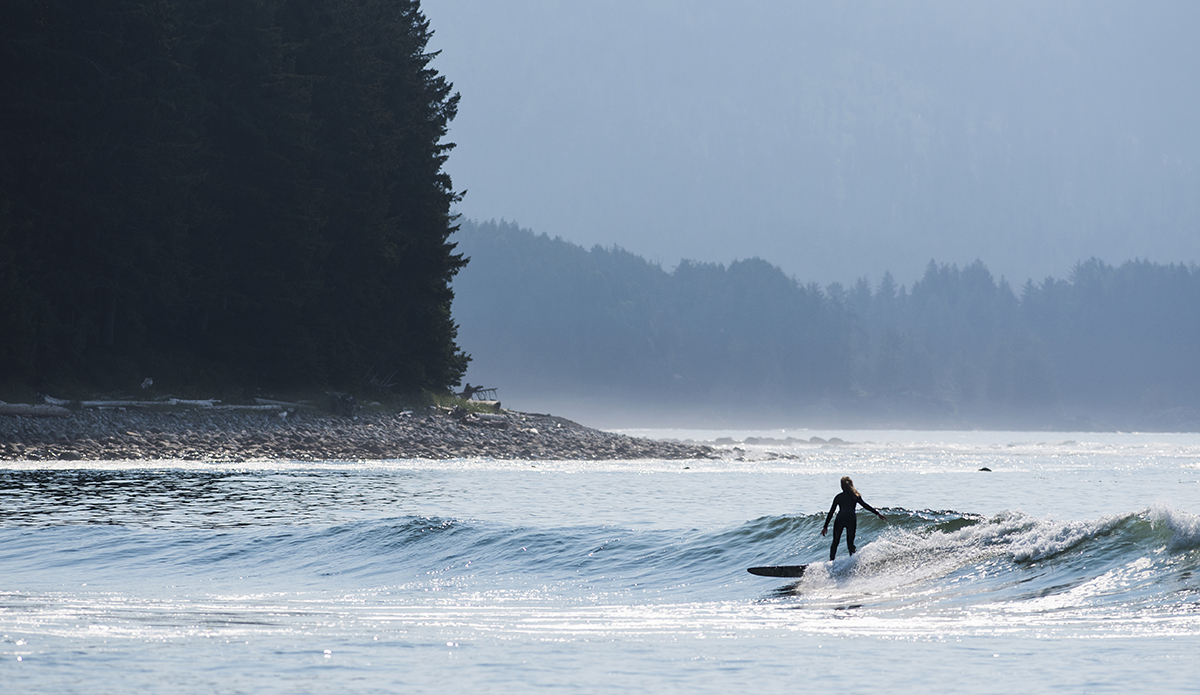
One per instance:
[(231, 435)]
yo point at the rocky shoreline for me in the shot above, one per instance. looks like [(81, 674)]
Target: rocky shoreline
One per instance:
[(307, 435)]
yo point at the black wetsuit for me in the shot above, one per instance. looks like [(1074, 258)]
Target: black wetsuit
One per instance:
[(845, 520)]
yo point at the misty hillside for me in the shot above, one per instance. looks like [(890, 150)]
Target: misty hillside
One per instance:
[(605, 330)]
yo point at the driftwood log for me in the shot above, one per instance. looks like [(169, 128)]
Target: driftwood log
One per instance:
[(204, 403), (33, 410), (58, 407)]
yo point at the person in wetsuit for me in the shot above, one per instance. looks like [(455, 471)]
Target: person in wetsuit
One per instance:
[(845, 503)]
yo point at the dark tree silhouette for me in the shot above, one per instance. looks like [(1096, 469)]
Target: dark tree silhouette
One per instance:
[(227, 192)]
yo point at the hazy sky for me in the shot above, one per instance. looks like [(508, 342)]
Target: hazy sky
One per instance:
[(835, 139)]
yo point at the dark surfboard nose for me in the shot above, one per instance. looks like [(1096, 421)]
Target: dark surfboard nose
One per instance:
[(779, 571)]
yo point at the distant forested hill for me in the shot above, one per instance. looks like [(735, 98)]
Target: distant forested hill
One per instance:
[(546, 318), (224, 191), (550, 315)]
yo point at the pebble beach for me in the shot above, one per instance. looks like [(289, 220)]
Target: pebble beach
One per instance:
[(309, 435)]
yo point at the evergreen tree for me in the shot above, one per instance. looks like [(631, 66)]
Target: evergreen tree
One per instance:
[(234, 191), (94, 179), (382, 115)]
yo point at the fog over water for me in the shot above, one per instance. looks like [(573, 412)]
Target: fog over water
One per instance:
[(837, 140)]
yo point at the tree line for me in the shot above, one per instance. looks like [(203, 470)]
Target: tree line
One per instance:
[(957, 346), (550, 315), (217, 192)]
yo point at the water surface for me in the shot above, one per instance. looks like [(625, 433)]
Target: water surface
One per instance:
[(1071, 565)]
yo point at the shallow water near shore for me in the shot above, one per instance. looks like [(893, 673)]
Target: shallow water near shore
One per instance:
[(1073, 565)]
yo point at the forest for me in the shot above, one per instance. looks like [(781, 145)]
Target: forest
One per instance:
[(1109, 346), (224, 194), (246, 194)]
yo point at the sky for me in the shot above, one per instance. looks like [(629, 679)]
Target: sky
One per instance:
[(835, 139)]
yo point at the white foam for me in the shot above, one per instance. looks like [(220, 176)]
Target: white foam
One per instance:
[(1185, 527), (904, 558), (1049, 538)]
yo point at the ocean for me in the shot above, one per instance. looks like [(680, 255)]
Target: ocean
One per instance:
[(1072, 565)]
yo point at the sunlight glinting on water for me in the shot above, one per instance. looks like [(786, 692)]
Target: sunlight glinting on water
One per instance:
[(494, 618), (1070, 542)]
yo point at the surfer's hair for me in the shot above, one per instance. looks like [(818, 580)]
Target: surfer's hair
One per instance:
[(848, 486)]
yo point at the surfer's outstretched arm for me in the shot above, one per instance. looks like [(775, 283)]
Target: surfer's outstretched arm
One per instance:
[(869, 508), (829, 516)]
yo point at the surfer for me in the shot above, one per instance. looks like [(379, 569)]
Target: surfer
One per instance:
[(845, 503)]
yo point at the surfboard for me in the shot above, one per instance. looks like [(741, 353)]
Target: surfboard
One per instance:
[(779, 571)]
